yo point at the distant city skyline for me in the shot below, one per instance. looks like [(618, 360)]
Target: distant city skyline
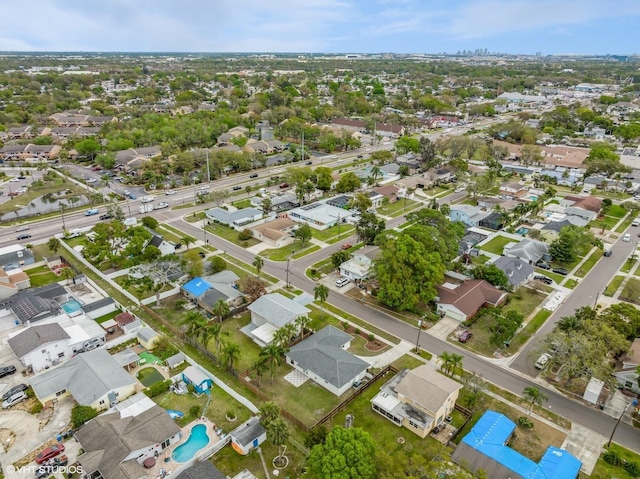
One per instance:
[(323, 26)]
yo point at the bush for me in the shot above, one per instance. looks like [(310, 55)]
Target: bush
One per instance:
[(157, 388), (372, 337), (194, 411), (632, 468), (36, 408), (180, 303), (612, 457), (230, 414), (81, 414), (245, 235), (525, 422), (345, 325), (150, 222), (218, 264)]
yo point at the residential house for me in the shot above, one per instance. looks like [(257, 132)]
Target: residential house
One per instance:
[(276, 233), (486, 447), (468, 214), (195, 289), (360, 266), (116, 446), (257, 146), (165, 247), (627, 367), (201, 470), (375, 198), (30, 152), (223, 286), (390, 192), (511, 191), (237, 219), (127, 322), (237, 131), (276, 146), (41, 346), (587, 207), (412, 182), (528, 250), (321, 215), (518, 272), (418, 399), (134, 158), (270, 313), (323, 357), (279, 203), (493, 221), (11, 281), (551, 230), (198, 379), (248, 436), (441, 175), (35, 304), (93, 378), (175, 360), (73, 118), (382, 129), (463, 301)]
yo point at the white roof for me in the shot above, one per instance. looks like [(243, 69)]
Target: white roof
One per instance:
[(77, 334), (264, 333), (12, 248), (195, 375), (133, 406), (386, 401)]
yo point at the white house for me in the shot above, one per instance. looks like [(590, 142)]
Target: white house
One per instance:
[(323, 357), (320, 215), (237, 219), (360, 265), (626, 371), (269, 313)]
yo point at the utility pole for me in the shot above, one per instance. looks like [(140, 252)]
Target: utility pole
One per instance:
[(208, 171), (634, 403), (418, 340)]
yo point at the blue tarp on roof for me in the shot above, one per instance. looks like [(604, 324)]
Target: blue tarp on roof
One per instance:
[(196, 287), (489, 436)]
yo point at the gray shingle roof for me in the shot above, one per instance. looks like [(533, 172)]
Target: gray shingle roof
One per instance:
[(201, 470), (87, 308), (247, 432), (87, 376), (322, 354), (36, 336), (277, 309), (517, 271)]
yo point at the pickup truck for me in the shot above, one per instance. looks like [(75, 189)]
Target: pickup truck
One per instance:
[(91, 212)]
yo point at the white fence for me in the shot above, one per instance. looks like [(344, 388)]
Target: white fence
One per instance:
[(163, 295)]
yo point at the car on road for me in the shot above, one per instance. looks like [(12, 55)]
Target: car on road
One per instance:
[(254, 175), (106, 216), (49, 452), (170, 192), (91, 212), (360, 156), (636, 222), (161, 205), (22, 228), (14, 399), (607, 252), (284, 185), (544, 279), (14, 390), (237, 187), (465, 336), (542, 360), (22, 177), (7, 370), (346, 246), (340, 282), (205, 187), (626, 238), (91, 180), (309, 162), (21, 190), (96, 168), (561, 271), (24, 237), (14, 180), (459, 189)]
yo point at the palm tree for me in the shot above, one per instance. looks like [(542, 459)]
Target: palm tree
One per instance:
[(282, 337), (260, 367), (53, 244), (302, 322), (268, 412), (273, 355), (258, 263), (216, 332), (321, 293), (220, 309), (194, 321), (230, 354), (445, 361), (68, 274), (375, 173), (187, 240), (456, 364), (278, 432), (534, 396)]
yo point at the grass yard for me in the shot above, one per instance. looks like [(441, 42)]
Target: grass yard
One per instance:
[(604, 470), (606, 222), (482, 259), (108, 316), (529, 330), (616, 211), (497, 244), (195, 217), (628, 265), (230, 235), (285, 252), (570, 283), (558, 278), (613, 285), (625, 224), (41, 276), (168, 235), (316, 271), (358, 348), (407, 362), (637, 271), (231, 330), (397, 208), (631, 291), (334, 232), (137, 292), (242, 269), (244, 203), (589, 263)]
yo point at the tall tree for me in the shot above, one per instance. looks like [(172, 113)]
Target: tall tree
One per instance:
[(534, 396), (303, 233), (273, 355), (230, 354), (188, 240), (321, 293), (258, 263), (220, 309), (345, 454), (53, 244)]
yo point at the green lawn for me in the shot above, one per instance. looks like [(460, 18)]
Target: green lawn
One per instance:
[(614, 285), (625, 224), (482, 259), (108, 316), (169, 235), (589, 263), (250, 350), (637, 271), (316, 270), (497, 244), (558, 278), (285, 252), (604, 470), (195, 217), (570, 283), (407, 362), (42, 276), (628, 265), (397, 208), (333, 233), (58, 184), (529, 330), (242, 269), (616, 211), (245, 203), (631, 291), (230, 235), (607, 222)]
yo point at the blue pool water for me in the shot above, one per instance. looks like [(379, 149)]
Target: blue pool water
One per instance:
[(71, 306), (522, 231), (533, 197), (197, 440)]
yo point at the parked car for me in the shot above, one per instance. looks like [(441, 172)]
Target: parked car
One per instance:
[(626, 238), (14, 180), (340, 282), (544, 279), (178, 246), (636, 222), (561, 271), (96, 168), (309, 162), (254, 175), (542, 360), (202, 254), (607, 252), (346, 246), (205, 187), (14, 399), (22, 177), (465, 336), (23, 237), (93, 344), (543, 264), (15, 389), (49, 452)]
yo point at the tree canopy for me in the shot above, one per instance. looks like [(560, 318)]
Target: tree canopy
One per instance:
[(345, 454)]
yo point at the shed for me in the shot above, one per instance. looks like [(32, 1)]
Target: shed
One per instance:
[(248, 436), (199, 380), (147, 337), (176, 360), (593, 390)]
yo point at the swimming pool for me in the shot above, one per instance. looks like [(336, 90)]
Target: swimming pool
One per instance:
[(149, 376), (522, 231), (71, 306), (197, 440)]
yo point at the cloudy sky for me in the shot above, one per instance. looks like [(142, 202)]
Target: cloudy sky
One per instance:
[(322, 26)]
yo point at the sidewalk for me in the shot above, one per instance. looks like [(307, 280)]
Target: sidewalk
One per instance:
[(386, 358)]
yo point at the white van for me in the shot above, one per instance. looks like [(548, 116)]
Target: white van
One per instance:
[(340, 282), (147, 199), (636, 222), (542, 360)]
